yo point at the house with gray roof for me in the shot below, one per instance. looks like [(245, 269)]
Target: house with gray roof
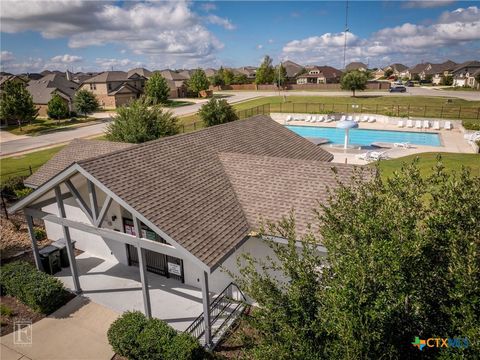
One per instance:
[(320, 75), (356, 66), (43, 89), (293, 69), (180, 208)]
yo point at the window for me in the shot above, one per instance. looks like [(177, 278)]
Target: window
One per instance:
[(93, 86), (147, 233)]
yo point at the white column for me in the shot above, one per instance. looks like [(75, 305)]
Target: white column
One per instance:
[(206, 309), (33, 239), (68, 240), (142, 264)]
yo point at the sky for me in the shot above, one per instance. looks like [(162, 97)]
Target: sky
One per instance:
[(90, 35)]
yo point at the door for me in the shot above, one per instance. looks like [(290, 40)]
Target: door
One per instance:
[(161, 264)]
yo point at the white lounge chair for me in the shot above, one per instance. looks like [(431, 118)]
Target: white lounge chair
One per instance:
[(365, 119), (357, 119), (409, 123), (314, 118), (378, 155), (321, 118), (343, 118), (309, 118), (405, 145), (365, 156), (448, 125), (418, 124), (426, 124), (350, 118), (371, 120), (436, 125), (400, 124), (472, 136), (289, 118)]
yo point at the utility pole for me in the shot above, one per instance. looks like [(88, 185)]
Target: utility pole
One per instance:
[(345, 41)]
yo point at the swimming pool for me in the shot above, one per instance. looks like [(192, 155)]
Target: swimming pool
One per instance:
[(365, 137)]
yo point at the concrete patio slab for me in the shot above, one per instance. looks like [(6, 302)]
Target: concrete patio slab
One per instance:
[(76, 331), (118, 287)]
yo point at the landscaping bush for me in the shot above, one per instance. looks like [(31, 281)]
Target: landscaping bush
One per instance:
[(137, 338), (471, 125), (40, 233), (21, 193), (38, 290), (11, 186)]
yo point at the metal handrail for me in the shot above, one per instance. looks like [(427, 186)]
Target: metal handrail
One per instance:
[(199, 324)]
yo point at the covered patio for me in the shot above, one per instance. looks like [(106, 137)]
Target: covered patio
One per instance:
[(119, 288)]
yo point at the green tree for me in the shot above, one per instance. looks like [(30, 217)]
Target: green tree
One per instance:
[(157, 90), (216, 80), (280, 75), (446, 80), (240, 79), (85, 102), (198, 82), (217, 111), (402, 261), (57, 108), (416, 77), (228, 76), (138, 123), (354, 80), (16, 104), (265, 73)]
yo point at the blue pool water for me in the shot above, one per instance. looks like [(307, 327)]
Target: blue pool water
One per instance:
[(365, 137)]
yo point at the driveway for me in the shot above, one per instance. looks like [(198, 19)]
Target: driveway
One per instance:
[(118, 287), (76, 331)]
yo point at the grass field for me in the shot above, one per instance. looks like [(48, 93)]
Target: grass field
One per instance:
[(427, 161), (41, 125), (19, 165)]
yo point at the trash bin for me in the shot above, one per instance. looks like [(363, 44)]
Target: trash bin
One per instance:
[(50, 258), (61, 244)]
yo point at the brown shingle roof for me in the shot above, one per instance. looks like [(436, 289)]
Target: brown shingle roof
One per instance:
[(78, 149), (180, 185), (269, 188)]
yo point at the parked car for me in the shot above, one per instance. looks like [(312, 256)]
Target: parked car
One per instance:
[(398, 88), (410, 84)]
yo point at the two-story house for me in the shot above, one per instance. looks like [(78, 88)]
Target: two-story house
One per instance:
[(320, 75), (466, 74)]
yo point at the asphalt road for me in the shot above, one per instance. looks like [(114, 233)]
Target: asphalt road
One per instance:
[(28, 144)]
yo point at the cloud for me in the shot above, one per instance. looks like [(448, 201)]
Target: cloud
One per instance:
[(117, 64), (167, 28), (270, 41), (6, 56), (426, 4), (259, 46), (208, 6), (68, 59), (453, 32), (216, 20)]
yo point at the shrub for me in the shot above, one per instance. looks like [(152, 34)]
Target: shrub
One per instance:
[(137, 338), (21, 193), (40, 233), (11, 185), (471, 125), (57, 108), (38, 290), (123, 333), (217, 112), (5, 310)]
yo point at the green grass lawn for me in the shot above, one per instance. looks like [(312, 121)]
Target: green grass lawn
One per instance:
[(177, 103), (41, 125), (19, 165), (459, 88), (452, 162)]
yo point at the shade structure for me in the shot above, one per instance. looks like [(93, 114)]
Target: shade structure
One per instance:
[(347, 125)]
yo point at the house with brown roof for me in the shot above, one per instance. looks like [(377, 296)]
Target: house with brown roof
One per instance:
[(398, 69), (356, 66), (9, 77), (181, 208), (293, 69), (43, 89), (320, 75), (466, 74), (115, 88), (177, 83)]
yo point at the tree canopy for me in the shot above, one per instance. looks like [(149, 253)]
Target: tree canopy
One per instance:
[(265, 73), (198, 82), (85, 102), (157, 90), (402, 262), (354, 80), (139, 123), (57, 108), (16, 103), (217, 111)]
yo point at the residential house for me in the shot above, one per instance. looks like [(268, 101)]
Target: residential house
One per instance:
[(399, 70), (320, 75), (43, 89), (210, 72), (356, 66), (139, 72), (437, 71), (115, 88), (292, 69), (465, 74), (182, 207), (9, 77), (378, 74), (177, 83), (249, 71), (417, 71)]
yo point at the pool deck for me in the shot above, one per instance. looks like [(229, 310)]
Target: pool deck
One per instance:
[(452, 140)]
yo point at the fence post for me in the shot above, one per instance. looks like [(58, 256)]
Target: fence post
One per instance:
[(361, 108), (441, 113), (333, 107), (459, 111), (346, 109), (376, 109), (478, 113), (194, 125), (293, 107), (425, 111), (408, 110), (398, 110), (183, 128), (30, 169)]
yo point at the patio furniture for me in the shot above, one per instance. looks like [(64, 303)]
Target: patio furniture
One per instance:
[(289, 118), (400, 124), (365, 119), (357, 119), (365, 156), (405, 145), (343, 118), (448, 125), (436, 125), (426, 124), (409, 124), (371, 120), (418, 124), (350, 118)]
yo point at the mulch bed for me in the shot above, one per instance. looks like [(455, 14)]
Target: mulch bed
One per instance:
[(20, 312)]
